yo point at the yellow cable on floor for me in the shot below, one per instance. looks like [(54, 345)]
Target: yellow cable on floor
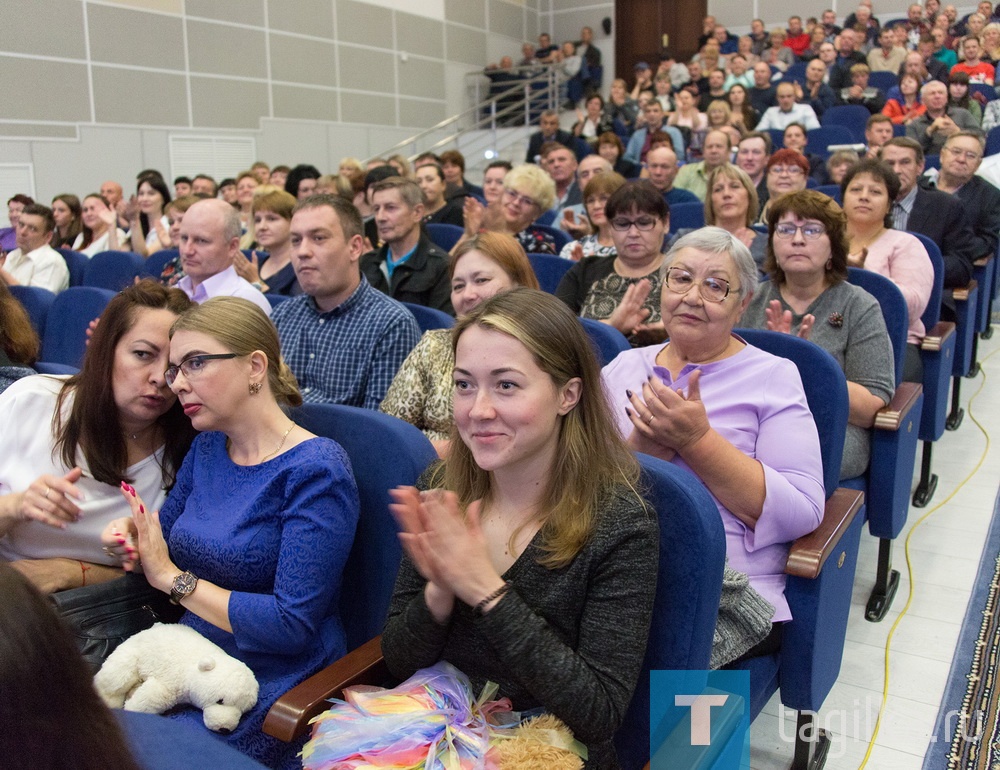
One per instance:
[(909, 565)]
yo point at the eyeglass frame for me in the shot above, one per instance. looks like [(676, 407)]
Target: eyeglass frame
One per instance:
[(522, 200), (799, 228), (635, 222), (729, 287), (171, 372), (792, 170), (972, 157)]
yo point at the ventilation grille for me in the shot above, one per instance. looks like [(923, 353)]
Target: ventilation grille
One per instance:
[(219, 157)]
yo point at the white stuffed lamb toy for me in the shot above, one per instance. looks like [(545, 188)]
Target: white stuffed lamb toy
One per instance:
[(170, 664)]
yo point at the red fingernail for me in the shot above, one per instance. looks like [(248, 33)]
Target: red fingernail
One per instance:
[(121, 540), (124, 485), (142, 508)]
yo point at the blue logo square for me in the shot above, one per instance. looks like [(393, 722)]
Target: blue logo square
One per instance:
[(699, 720)]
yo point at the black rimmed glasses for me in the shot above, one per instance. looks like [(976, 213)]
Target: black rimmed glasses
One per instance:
[(712, 289), (622, 224), (194, 365)]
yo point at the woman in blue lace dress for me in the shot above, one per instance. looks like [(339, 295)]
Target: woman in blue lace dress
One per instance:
[(253, 538)]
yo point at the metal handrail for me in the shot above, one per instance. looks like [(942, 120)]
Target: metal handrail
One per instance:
[(532, 99)]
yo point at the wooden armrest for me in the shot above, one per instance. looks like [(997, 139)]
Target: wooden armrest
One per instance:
[(935, 338), (810, 552), (961, 293), (892, 415), (289, 716)]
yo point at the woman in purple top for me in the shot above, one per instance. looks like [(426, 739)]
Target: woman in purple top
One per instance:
[(732, 414)]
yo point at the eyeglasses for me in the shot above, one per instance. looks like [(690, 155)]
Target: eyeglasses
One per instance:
[(790, 170), (711, 289), (809, 231), (516, 197), (969, 155), (194, 366), (642, 223)]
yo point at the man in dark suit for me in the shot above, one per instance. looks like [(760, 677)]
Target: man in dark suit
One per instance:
[(550, 132), (960, 159), (938, 215), (590, 72), (847, 56)]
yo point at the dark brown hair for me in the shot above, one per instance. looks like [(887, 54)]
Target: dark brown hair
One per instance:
[(809, 204), (17, 335), (93, 425), (880, 172), (51, 714)]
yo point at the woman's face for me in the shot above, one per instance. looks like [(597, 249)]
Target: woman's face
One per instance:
[(216, 391), (908, 86), (493, 184), (140, 390), (476, 278), (174, 218), (519, 208), (688, 318), (737, 96), (14, 209), (797, 254), (730, 199), (244, 191), (61, 213), (150, 201), (638, 237), (795, 139), (344, 168), (716, 116), (785, 178), (452, 173), (684, 100), (431, 185), (271, 229), (838, 171), (594, 108), (91, 213), (507, 409), (609, 152), (595, 209), (866, 200), (617, 91), (957, 90)]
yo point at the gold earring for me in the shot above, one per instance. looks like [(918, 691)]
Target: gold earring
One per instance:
[(255, 388)]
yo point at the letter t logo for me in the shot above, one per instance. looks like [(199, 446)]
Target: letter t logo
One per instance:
[(701, 715)]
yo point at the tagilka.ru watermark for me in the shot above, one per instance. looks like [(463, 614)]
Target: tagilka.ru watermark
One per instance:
[(701, 719)]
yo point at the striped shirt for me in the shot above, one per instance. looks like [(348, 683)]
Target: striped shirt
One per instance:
[(350, 354)]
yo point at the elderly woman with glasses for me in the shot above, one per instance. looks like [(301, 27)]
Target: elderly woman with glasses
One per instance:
[(808, 295), (787, 171), (730, 413), (623, 289)]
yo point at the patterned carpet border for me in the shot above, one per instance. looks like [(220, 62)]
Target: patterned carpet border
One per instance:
[(967, 729)]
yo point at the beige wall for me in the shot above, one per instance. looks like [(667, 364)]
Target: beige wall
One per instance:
[(94, 89)]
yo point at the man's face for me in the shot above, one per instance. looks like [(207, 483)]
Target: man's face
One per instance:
[(202, 186), (394, 219), (951, 12), (203, 247), (694, 70), (590, 167), (914, 64), (878, 134), (506, 63), (815, 71), (228, 193), (716, 79), (720, 33), (561, 165), (827, 53), (528, 51), (586, 35), (757, 27), (549, 125), (181, 189), (904, 162), (960, 158), (737, 64), (786, 97), (935, 95), (761, 75), (971, 50), (914, 13), (846, 42), (654, 114), (829, 18), (938, 34), (795, 25), (324, 259), (112, 192), (986, 8), (715, 151), (662, 166), (886, 39), (752, 156), (544, 41), (30, 233)]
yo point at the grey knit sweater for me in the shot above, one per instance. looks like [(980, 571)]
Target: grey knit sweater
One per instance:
[(571, 640)]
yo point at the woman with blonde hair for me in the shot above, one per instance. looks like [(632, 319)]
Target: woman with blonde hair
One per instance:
[(402, 165), (421, 392), (253, 538), (732, 204), (99, 231), (530, 562), (990, 39), (527, 193), (600, 242), (271, 211)]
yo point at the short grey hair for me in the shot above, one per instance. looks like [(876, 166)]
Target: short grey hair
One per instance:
[(715, 240)]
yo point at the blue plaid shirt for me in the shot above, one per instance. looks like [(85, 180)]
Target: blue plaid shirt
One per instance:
[(351, 354)]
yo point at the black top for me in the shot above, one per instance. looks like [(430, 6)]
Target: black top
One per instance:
[(422, 279)]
